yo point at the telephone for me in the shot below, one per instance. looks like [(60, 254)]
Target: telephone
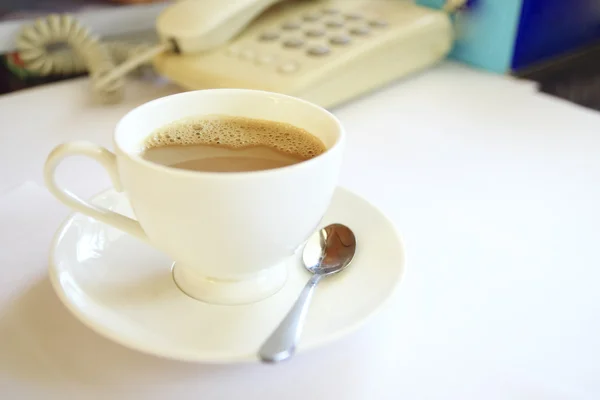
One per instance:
[(324, 51)]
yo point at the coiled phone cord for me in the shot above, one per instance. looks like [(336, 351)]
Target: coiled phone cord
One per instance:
[(59, 44)]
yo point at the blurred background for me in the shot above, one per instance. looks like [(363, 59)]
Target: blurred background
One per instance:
[(555, 43), (109, 19)]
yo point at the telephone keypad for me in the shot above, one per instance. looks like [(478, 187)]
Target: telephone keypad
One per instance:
[(322, 32)]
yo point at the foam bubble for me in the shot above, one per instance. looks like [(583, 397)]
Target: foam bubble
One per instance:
[(237, 133)]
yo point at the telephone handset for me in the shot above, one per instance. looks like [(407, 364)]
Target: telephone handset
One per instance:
[(325, 51), (194, 26)]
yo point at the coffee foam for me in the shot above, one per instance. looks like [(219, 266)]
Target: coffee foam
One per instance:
[(237, 133)]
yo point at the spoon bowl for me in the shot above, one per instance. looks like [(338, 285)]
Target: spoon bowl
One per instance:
[(329, 250)]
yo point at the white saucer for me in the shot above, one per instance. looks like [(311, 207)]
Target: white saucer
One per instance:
[(124, 290)]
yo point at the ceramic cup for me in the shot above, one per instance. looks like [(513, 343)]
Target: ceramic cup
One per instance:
[(229, 233)]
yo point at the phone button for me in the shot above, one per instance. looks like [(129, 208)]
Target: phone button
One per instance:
[(269, 36), (331, 11), (378, 23), (311, 17), (314, 32), (289, 67), (360, 31), (353, 17), (293, 43), (318, 51), (334, 24), (340, 40), (291, 26)]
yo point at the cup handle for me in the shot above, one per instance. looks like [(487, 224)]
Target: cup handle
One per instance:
[(108, 160)]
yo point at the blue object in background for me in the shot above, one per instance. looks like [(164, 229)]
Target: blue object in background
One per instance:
[(553, 27), (485, 32), (507, 35)]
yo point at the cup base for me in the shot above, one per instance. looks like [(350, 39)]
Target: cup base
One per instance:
[(250, 289)]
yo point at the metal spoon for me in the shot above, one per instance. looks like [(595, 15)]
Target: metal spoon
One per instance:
[(327, 252)]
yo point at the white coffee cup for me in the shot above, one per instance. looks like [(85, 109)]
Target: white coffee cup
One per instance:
[(229, 233)]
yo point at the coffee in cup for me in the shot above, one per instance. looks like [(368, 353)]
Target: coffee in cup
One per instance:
[(222, 143)]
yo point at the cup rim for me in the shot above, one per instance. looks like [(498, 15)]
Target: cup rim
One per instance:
[(228, 175)]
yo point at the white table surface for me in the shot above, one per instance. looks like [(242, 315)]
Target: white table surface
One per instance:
[(494, 187)]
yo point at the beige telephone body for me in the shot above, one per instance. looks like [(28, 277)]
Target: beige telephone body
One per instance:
[(324, 51)]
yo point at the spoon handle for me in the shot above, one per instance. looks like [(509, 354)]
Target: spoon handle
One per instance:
[(282, 342)]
